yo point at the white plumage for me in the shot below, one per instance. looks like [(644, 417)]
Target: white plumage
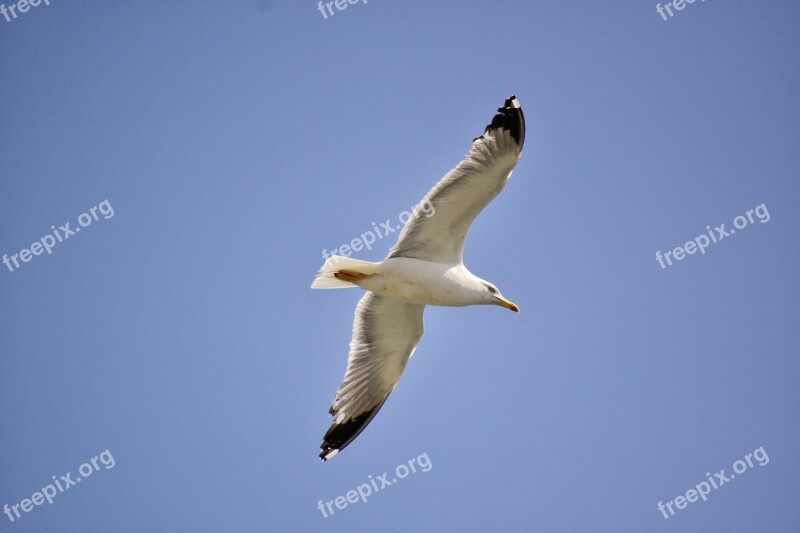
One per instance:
[(424, 267)]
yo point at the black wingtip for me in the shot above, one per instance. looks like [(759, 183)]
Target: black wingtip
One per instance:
[(340, 435), (510, 117)]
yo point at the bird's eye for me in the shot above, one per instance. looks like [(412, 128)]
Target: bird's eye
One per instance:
[(491, 289)]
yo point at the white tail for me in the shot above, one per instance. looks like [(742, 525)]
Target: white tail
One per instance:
[(327, 280)]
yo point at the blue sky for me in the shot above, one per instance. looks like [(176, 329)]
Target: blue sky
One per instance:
[(234, 142)]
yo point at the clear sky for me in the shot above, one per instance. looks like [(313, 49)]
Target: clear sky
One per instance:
[(224, 145)]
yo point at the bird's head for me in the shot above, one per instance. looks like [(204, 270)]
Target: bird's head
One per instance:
[(492, 296)]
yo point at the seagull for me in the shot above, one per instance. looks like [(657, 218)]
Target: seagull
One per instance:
[(425, 267)]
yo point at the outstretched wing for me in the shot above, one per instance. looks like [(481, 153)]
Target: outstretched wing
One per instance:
[(385, 333), (465, 191)]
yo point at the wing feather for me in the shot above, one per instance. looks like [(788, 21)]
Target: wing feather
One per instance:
[(385, 333), (463, 193)]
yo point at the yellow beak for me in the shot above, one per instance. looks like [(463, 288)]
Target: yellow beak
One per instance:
[(508, 305)]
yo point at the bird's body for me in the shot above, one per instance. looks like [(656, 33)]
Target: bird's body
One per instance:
[(422, 282), (425, 267)]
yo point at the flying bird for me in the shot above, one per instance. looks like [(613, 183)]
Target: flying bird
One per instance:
[(425, 267)]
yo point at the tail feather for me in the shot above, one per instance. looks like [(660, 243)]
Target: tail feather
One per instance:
[(326, 277)]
